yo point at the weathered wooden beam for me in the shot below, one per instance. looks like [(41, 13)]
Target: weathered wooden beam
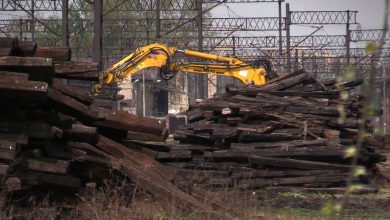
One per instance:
[(187, 137), (55, 53), (8, 150), (267, 174), (77, 70), (128, 122), (21, 90), (296, 164), (35, 129), (82, 133), (39, 69), (74, 67), (174, 155), (58, 151), (330, 190), (257, 137), (60, 181), (66, 104), (21, 139), (312, 94), (72, 92), (132, 135), (261, 183), (49, 165), (148, 174)]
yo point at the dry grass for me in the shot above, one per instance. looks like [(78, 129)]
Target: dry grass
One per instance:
[(122, 200)]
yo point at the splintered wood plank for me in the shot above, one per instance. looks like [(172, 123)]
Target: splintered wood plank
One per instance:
[(148, 174)]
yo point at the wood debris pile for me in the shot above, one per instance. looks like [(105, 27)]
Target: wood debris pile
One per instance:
[(294, 131), (53, 139)]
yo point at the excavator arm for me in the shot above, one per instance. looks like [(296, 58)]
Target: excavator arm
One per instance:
[(245, 73), (159, 55), (154, 55)]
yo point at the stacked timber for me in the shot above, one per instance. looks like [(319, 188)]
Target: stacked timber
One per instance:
[(289, 132), (25, 56), (60, 59), (52, 139)]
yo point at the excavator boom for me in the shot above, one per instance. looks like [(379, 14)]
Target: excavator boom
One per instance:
[(159, 55)]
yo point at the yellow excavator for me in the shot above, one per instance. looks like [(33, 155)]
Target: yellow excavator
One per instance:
[(160, 56)]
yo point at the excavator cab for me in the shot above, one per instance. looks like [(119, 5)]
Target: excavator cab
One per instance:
[(267, 65)]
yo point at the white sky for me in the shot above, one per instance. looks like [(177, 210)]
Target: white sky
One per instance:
[(370, 15)]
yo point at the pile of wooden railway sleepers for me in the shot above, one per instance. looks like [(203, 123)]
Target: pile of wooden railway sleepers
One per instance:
[(53, 139), (293, 131)]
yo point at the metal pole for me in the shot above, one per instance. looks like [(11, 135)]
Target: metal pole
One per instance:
[(200, 90), (280, 31), (296, 60), (234, 46), (143, 94), (65, 23), (384, 102), (288, 23), (20, 29), (98, 32), (143, 71), (33, 20), (348, 38), (158, 19)]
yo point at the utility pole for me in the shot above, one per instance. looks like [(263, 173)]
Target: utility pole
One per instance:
[(143, 71), (385, 114), (348, 38), (33, 20), (234, 46), (288, 23), (98, 32), (280, 31), (65, 23), (20, 28), (158, 19), (200, 79)]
